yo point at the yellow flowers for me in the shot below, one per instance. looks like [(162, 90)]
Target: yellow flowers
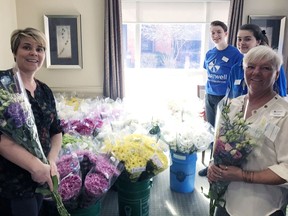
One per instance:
[(140, 154), (74, 102)]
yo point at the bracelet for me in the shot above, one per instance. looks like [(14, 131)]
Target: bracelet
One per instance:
[(248, 176)]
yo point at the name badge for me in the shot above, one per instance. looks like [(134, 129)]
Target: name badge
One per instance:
[(277, 113), (237, 82), (225, 59)]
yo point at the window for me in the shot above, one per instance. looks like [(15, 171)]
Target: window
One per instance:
[(164, 46)]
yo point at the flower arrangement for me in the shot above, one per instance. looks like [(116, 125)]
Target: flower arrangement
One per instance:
[(87, 116), (188, 137), (143, 157), (232, 145), (85, 177)]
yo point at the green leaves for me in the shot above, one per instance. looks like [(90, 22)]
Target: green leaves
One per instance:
[(55, 196)]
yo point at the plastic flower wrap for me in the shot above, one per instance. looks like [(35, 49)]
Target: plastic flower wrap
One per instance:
[(76, 141), (189, 136), (85, 177), (17, 121), (233, 143), (90, 115), (143, 157)]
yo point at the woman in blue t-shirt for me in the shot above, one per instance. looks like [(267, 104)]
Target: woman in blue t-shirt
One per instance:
[(249, 36)]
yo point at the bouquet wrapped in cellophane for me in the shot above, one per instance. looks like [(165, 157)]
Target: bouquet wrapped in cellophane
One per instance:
[(232, 144), (143, 155), (86, 176), (17, 122)]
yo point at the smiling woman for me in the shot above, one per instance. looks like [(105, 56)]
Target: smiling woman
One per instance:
[(265, 170), (20, 176)]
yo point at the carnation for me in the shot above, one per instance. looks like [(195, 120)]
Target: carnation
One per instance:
[(70, 186)]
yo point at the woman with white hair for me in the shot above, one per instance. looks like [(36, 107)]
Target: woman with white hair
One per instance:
[(259, 187)]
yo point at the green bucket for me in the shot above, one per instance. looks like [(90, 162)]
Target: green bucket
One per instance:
[(133, 197), (93, 210)]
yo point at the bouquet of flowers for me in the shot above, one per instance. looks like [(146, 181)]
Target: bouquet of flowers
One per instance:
[(233, 143), (143, 157), (85, 177), (189, 137), (17, 121)]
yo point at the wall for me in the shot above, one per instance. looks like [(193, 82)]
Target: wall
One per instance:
[(268, 7), (7, 25), (90, 78)]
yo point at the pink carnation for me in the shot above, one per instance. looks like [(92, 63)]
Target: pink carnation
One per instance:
[(96, 184), (67, 164), (70, 187)]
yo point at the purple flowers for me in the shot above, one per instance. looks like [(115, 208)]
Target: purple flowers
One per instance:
[(16, 114), (96, 184), (85, 177), (68, 164), (84, 126), (70, 186)]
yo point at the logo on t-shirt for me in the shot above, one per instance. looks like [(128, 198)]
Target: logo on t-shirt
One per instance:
[(213, 67)]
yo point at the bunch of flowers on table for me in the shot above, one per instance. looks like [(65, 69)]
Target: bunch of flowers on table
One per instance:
[(187, 137), (85, 176), (86, 116), (143, 157), (232, 144), (17, 121)]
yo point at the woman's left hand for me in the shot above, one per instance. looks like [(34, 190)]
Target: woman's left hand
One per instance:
[(224, 173), (53, 169)]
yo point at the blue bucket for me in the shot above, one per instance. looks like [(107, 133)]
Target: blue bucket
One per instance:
[(182, 172)]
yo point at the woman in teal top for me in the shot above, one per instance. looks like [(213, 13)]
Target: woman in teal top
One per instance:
[(249, 36)]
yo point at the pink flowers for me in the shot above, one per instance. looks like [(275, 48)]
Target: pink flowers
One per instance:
[(84, 126), (70, 186), (85, 177), (96, 184)]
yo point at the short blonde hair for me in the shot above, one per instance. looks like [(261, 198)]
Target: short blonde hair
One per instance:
[(260, 53), (18, 34)]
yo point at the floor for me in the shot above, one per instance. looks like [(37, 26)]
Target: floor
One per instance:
[(164, 202)]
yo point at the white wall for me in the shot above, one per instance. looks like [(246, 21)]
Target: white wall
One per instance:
[(7, 25), (90, 78)]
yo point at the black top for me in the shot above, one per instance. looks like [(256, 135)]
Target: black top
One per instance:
[(15, 181)]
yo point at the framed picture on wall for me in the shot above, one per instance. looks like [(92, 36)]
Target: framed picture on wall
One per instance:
[(64, 48), (274, 27)]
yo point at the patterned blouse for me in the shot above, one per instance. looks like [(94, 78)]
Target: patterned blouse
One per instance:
[(15, 181)]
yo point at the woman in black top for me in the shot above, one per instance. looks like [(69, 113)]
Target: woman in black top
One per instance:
[(20, 171)]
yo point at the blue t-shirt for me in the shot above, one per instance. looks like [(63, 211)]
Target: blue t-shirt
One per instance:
[(218, 64), (237, 85)]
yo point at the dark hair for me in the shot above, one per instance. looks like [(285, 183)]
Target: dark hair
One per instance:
[(219, 23), (258, 33)]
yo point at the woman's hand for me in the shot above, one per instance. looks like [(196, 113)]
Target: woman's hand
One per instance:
[(54, 170), (223, 173), (41, 174)]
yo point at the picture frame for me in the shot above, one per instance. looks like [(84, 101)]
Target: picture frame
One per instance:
[(274, 27), (64, 47)]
